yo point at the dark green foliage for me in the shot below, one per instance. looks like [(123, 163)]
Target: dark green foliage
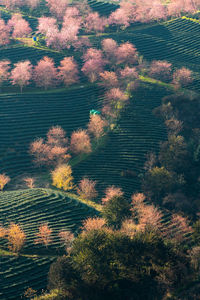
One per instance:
[(115, 211), (174, 155), (64, 277), (113, 266), (158, 182)]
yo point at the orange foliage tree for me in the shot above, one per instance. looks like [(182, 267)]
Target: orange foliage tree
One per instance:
[(3, 181), (44, 235)]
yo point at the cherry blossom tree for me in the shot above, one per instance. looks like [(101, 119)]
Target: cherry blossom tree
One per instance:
[(19, 27), (30, 182), (32, 3), (82, 43), (45, 73), (21, 74), (129, 73), (40, 150), (109, 47), (58, 7), (4, 71), (115, 94), (111, 192), (93, 53), (97, 126), (53, 151), (44, 236), (46, 24), (11, 4), (80, 142), (93, 224), (119, 17), (86, 188), (56, 136), (177, 229), (66, 238), (94, 64), (158, 11), (109, 112), (161, 70), (182, 77), (68, 71), (94, 22), (126, 54), (109, 79), (4, 33)]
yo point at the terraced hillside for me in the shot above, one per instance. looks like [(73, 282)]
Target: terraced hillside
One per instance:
[(176, 41), (24, 117), (30, 208), (33, 207), (137, 133), (17, 274)]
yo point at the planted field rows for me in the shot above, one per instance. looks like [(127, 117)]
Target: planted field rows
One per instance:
[(33, 207), (17, 274), (103, 7), (137, 132), (176, 41), (28, 116)]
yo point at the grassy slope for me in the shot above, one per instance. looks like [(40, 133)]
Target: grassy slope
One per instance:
[(30, 208)]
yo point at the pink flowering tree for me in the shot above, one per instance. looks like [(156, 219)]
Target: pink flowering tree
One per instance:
[(21, 74), (80, 142), (161, 70), (4, 33), (97, 126), (58, 7), (46, 24), (109, 79), (182, 77), (19, 27), (86, 188), (94, 64), (11, 4), (119, 17), (116, 95), (109, 47), (129, 74), (126, 54), (53, 150), (111, 192), (94, 22), (45, 73), (32, 3), (68, 71)]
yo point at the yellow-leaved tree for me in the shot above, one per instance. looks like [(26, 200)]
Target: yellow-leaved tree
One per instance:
[(16, 237), (62, 177)]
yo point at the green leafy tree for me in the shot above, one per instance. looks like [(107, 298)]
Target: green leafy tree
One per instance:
[(158, 182), (116, 210), (174, 154)]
